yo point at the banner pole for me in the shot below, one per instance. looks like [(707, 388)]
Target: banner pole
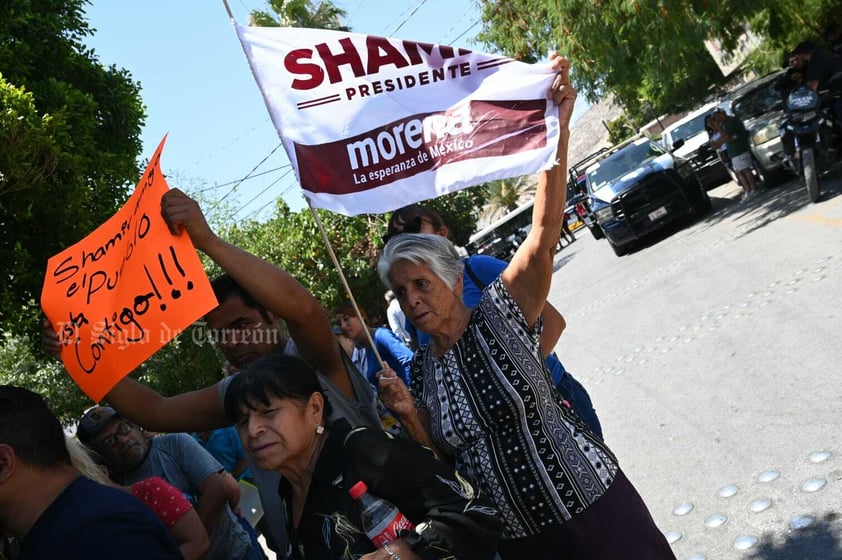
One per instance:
[(345, 285), (228, 9)]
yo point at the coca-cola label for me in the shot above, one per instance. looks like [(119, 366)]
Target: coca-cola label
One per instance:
[(390, 530)]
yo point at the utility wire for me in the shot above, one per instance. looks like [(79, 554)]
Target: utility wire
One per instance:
[(261, 193), (256, 175), (240, 182), (262, 208), (354, 12), (464, 32), (453, 27), (232, 142), (421, 3)]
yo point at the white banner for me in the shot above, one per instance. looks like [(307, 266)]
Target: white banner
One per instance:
[(371, 124)]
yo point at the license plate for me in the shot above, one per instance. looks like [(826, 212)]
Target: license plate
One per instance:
[(659, 213)]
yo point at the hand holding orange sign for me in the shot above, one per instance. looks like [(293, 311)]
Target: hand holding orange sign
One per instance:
[(124, 291)]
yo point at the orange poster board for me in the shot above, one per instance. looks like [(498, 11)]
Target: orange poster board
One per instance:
[(124, 291)]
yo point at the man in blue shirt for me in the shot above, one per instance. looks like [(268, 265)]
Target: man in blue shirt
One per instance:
[(52, 510)]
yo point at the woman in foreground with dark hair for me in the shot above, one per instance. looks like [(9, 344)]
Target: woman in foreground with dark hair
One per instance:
[(280, 409)]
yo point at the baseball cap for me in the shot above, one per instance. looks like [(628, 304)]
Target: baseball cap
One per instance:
[(93, 421)]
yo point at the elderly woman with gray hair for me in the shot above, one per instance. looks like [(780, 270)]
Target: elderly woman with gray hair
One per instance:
[(483, 396)]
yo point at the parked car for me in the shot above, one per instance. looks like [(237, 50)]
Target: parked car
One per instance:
[(760, 106), (688, 139), (501, 238), (577, 191), (638, 187)]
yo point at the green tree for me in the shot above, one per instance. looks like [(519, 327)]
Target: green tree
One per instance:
[(72, 151), (300, 13), (69, 143), (28, 151), (507, 194), (292, 241), (653, 51)]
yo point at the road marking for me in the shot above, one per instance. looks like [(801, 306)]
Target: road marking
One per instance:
[(817, 219)]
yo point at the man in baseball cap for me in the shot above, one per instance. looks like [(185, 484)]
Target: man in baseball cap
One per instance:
[(177, 458), (122, 445)]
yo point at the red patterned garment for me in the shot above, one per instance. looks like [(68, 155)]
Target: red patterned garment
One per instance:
[(167, 501)]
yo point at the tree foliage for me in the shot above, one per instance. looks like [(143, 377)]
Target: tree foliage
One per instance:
[(69, 142), (293, 241), (187, 363), (300, 13), (505, 195), (28, 151), (70, 147), (649, 50)]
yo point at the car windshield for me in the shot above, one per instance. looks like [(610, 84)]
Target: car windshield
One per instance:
[(757, 101), (686, 130), (616, 165)]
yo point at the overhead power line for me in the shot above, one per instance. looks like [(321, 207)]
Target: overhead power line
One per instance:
[(464, 32), (262, 208), (401, 24), (254, 176), (453, 27), (231, 143), (261, 193), (240, 182)]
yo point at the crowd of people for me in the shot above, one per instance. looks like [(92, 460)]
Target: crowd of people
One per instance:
[(807, 65), (500, 452)]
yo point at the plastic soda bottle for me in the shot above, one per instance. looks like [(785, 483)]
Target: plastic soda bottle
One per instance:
[(381, 520)]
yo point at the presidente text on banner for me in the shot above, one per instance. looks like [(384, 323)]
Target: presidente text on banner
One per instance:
[(371, 124), (125, 290)]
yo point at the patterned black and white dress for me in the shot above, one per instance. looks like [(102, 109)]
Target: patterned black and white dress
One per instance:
[(493, 406)]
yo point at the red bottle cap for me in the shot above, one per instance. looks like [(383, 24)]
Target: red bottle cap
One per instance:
[(358, 489)]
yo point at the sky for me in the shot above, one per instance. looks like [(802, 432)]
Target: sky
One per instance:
[(197, 87)]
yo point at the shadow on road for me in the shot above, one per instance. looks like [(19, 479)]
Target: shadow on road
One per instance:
[(775, 203), (768, 205), (816, 541), (565, 258)]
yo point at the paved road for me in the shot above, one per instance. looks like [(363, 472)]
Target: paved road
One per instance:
[(713, 357)]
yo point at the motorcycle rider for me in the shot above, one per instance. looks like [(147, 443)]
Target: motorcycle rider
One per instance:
[(786, 83), (824, 71)]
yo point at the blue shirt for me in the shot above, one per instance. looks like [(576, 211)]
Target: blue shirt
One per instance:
[(91, 521), (224, 444), (487, 269), (391, 349)]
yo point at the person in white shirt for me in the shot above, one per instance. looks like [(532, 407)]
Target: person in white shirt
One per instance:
[(396, 318)]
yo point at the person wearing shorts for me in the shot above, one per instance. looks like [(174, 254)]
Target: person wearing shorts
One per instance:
[(736, 139)]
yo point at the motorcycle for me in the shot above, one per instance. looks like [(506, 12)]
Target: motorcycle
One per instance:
[(809, 124)]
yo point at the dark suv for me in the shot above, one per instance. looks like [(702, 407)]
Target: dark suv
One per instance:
[(637, 188)]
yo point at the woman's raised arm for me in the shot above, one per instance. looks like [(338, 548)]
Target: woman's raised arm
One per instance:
[(528, 275)]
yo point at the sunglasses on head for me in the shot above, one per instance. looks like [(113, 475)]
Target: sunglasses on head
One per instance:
[(412, 226)]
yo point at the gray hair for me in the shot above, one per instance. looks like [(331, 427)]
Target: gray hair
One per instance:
[(435, 251)]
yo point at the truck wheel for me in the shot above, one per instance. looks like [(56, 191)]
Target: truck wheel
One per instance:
[(619, 250), (596, 231), (704, 205)]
